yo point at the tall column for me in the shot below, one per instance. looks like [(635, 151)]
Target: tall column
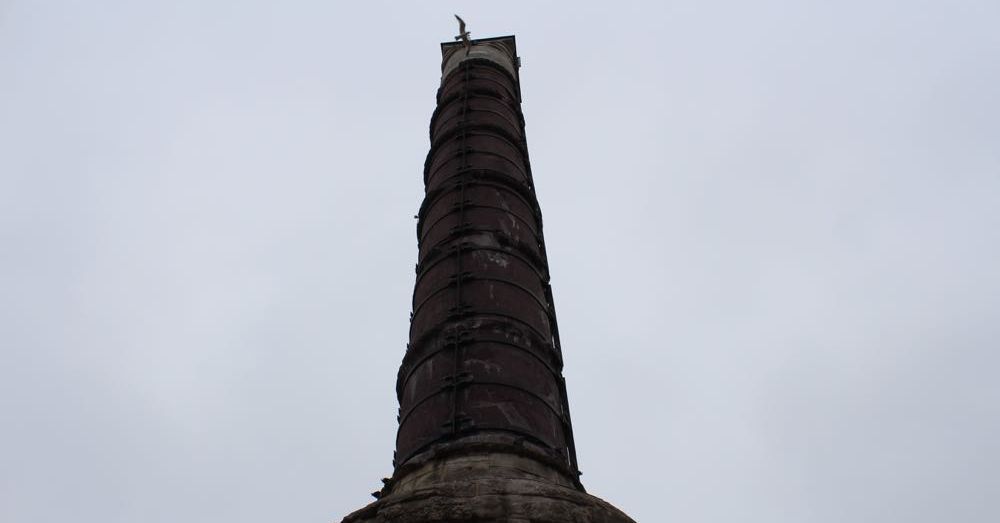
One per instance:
[(483, 363), (484, 426)]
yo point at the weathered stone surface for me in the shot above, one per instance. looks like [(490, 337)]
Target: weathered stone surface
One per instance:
[(489, 501), (485, 434), (486, 488)]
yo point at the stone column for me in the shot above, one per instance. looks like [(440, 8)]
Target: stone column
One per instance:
[(484, 426)]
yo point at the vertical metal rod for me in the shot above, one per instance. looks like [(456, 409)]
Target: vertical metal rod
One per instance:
[(463, 165)]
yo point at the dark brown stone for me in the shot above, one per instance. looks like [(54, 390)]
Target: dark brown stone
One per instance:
[(484, 427)]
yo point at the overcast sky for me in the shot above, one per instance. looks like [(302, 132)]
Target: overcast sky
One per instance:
[(773, 228)]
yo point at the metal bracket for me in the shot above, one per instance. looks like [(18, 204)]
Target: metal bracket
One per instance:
[(459, 311), (456, 380), (461, 422), (462, 276)]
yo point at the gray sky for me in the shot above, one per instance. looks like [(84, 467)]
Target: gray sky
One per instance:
[(773, 230)]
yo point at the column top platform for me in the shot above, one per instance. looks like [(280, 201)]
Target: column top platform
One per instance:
[(501, 50)]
